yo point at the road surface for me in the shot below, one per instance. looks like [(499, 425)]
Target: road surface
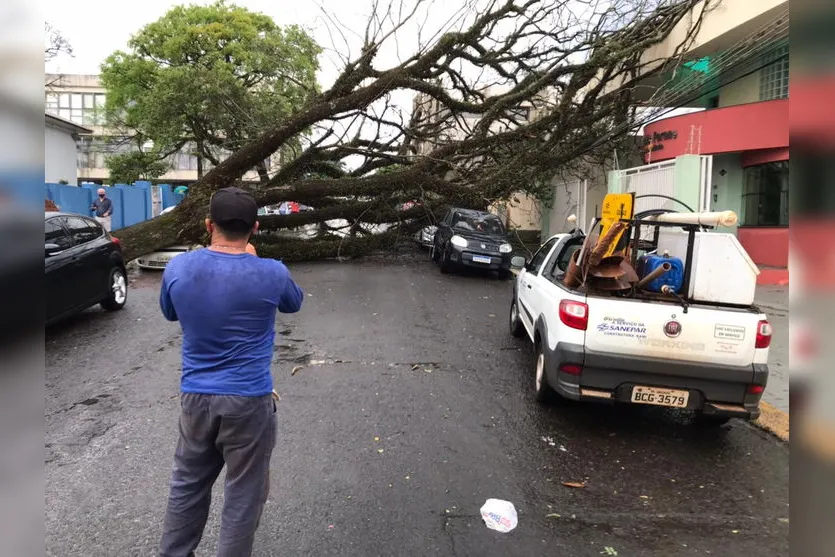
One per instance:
[(413, 407)]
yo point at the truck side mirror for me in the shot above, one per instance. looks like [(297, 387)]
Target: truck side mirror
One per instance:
[(518, 262)]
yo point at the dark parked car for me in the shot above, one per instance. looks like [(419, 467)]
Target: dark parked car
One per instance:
[(83, 264), (468, 238)]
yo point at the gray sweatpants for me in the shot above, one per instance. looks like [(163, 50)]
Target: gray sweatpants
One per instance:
[(215, 430)]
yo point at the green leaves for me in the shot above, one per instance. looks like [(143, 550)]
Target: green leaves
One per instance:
[(215, 76), (127, 168)]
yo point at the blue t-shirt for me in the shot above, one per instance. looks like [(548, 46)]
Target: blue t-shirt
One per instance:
[(226, 305), (102, 206)]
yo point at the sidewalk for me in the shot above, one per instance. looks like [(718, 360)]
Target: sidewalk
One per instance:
[(774, 301)]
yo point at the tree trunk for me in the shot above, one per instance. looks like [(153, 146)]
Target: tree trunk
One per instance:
[(368, 212), (184, 225), (306, 250), (472, 171)]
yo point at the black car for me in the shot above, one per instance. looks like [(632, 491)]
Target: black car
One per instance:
[(83, 264), (468, 238)]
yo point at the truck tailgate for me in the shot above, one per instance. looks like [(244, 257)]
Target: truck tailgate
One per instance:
[(648, 329)]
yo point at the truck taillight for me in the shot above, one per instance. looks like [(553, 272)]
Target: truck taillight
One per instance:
[(571, 369), (763, 334), (574, 314)]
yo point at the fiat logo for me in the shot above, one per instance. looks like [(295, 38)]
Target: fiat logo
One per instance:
[(672, 329)]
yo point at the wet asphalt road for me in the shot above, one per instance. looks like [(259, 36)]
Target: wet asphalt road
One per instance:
[(424, 363)]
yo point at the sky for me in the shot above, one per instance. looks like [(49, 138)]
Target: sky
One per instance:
[(336, 25), (96, 28)]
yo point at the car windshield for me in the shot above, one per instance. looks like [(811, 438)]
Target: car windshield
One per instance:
[(485, 224)]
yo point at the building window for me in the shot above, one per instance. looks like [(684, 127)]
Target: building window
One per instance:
[(765, 201), (184, 160), (774, 78), (84, 109), (94, 151), (52, 104)]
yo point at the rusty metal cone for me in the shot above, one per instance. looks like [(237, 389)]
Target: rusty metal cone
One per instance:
[(630, 275), (609, 267), (573, 276), (608, 284), (607, 271)]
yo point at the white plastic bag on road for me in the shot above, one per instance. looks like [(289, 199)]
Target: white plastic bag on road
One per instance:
[(499, 515)]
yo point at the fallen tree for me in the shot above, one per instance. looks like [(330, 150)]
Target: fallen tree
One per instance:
[(504, 96)]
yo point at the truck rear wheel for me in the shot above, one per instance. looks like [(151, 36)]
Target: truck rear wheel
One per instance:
[(516, 327), (542, 390)]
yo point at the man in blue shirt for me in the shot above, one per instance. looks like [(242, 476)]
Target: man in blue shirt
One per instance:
[(103, 207), (226, 301)]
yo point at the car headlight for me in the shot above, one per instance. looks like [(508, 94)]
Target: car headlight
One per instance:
[(458, 242), (505, 248)]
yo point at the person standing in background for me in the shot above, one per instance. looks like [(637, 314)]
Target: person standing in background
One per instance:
[(103, 207), (226, 299)]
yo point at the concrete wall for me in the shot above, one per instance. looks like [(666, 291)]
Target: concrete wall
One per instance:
[(131, 204), (728, 22), (60, 156), (746, 127), (71, 199), (688, 174), (567, 200), (767, 246), (521, 212), (742, 91)]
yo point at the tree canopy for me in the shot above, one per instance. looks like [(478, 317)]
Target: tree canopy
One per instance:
[(127, 168), (505, 94), (208, 79)]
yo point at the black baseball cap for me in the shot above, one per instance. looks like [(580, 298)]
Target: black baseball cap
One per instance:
[(233, 204)]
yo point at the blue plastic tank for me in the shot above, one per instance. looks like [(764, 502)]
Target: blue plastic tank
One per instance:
[(672, 278)]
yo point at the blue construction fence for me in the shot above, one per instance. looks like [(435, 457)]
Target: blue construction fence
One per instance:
[(131, 203)]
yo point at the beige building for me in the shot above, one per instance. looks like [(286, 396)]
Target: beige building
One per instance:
[(80, 99), (521, 211), (728, 25)]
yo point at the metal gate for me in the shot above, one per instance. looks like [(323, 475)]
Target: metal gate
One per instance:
[(156, 201), (654, 179), (660, 179)]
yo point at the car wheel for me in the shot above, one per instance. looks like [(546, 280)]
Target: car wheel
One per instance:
[(118, 294), (516, 327), (542, 390), (436, 254)]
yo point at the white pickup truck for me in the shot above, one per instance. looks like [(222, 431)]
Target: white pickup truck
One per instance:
[(707, 358)]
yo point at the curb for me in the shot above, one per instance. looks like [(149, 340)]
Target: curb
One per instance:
[(773, 421)]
